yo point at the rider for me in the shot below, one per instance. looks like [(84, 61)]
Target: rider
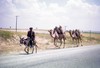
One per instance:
[(77, 32), (31, 36), (73, 33), (61, 30), (58, 30)]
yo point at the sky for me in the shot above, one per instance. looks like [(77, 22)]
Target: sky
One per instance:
[(46, 14)]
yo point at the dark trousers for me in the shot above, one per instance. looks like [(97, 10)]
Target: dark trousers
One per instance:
[(31, 43)]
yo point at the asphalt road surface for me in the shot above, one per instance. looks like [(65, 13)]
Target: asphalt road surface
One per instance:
[(79, 57)]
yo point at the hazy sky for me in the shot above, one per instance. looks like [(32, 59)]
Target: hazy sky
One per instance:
[(45, 14)]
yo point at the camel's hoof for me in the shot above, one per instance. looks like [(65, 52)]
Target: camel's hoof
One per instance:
[(35, 52), (56, 47), (59, 47), (81, 45), (77, 46), (32, 53)]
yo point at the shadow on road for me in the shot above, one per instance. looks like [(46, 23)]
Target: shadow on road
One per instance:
[(23, 54), (52, 48)]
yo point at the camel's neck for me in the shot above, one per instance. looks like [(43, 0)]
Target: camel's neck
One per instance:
[(51, 34), (70, 33)]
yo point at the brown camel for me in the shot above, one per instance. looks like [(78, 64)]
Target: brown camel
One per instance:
[(76, 36), (57, 37)]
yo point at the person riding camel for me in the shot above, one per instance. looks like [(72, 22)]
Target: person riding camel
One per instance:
[(31, 36), (61, 30), (56, 31), (73, 33), (77, 32)]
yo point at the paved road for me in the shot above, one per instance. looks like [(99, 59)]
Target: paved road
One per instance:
[(79, 57)]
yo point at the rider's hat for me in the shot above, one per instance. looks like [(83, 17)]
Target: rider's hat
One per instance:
[(31, 28)]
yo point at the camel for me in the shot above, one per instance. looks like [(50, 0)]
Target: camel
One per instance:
[(77, 38), (57, 37)]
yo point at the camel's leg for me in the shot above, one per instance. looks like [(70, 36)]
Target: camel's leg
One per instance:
[(74, 41), (80, 39), (55, 42), (77, 42), (64, 43), (60, 43), (81, 42)]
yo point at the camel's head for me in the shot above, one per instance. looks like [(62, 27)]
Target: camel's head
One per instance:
[(50, 31)]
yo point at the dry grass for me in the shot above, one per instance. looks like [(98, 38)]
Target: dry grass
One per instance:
[(44, 41), (91, 39)]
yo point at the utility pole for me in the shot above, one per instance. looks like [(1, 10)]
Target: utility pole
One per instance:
[(16, 22), (90, 35)]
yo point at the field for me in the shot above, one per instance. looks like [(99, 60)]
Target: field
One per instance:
[(9, 41)]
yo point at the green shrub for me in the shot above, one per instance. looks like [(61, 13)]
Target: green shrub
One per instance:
[(5, 34)]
